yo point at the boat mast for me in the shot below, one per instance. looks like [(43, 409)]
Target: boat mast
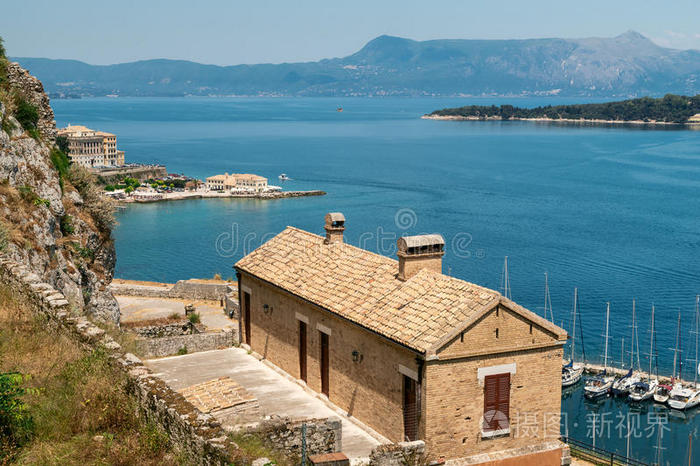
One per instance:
[(547, 299), (697, 315), (675, 351), (651, 341), (632, 340), (505, 282), (573, 335), (607, 323)]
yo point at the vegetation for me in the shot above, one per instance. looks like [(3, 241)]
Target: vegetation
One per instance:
[(669, 109), (61, 163), (62, 144), (4, 236), (100, 208), (26, 114), (194, 318), (62, 404), (67, 227)]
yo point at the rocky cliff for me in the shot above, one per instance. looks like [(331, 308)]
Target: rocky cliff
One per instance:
[(52, 218)]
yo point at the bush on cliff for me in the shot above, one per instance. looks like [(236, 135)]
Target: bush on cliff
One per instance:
[(74, 409), (100, 207), (26, 114)]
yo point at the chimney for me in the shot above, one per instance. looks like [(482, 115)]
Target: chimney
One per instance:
[(335, 226), (419, 252)]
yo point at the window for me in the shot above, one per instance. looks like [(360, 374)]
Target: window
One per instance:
[(496, 405)]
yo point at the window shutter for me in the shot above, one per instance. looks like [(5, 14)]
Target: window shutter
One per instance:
[(496, 402)]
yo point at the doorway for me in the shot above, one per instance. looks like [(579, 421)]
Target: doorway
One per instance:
[(246, 317), (302, 351), (410, 409), (325, 389)]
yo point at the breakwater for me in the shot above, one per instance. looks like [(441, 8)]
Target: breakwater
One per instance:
[(219, 195)]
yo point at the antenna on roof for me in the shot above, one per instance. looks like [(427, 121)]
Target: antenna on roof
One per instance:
[(505, 281)]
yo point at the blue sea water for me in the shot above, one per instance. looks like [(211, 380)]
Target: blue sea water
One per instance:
[(612, 210)]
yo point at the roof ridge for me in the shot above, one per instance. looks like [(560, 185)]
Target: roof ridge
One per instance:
[(357, 248)]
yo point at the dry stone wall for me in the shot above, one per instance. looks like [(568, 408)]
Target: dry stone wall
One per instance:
[(170, 345)]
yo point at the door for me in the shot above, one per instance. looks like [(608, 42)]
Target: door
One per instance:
[(324, 364), (302, 351), (246, 317), (410, 409)]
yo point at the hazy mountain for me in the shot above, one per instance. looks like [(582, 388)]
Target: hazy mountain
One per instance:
[(626, 65)]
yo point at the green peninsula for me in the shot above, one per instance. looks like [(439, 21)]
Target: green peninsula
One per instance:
[(670, 109)]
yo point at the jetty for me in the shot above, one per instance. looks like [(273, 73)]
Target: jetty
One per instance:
[(179, 196)]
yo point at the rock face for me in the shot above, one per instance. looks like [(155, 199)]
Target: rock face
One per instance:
[(78, 259)]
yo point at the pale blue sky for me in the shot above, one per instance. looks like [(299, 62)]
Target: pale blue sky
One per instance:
[(262, 31)]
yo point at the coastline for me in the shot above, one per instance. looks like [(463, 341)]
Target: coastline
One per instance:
[(220, 195), (557, 120)]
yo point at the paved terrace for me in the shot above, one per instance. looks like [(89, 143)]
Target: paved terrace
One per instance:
[(136, 308), (277, 394)]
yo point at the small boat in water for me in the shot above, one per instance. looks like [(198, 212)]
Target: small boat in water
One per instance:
[(571, 374), (623, 385), (683, 397), (284, 177), (642, 391), (339, 109), (599, 386), (662, 393)]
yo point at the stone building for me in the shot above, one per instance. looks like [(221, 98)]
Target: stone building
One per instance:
[(237, 182), (411, 352), (91, 148)]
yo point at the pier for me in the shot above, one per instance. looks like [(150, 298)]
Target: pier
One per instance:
[(178, 196)]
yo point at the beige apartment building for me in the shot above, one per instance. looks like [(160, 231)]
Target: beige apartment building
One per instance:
[(409, 351), (91, 148), (237, 181)]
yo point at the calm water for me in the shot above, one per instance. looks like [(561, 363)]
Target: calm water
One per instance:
[(614, 211)]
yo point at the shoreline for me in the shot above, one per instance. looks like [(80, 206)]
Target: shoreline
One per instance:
[(557, 120), (218, 195)]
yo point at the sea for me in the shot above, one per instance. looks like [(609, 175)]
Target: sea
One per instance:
[(611, 210)]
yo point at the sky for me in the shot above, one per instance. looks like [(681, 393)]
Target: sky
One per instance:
[(264, 31)]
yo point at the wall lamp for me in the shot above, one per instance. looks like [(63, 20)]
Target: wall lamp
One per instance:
[(267, 309), (357, 356)]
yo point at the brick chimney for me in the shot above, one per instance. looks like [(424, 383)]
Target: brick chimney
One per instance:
[(335, 226), (419, 252)]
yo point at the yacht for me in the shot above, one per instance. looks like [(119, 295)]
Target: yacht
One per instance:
[(662, 393), (683, 397), (571, 374), (623, 385), (642, 391), (283, 177), (599, 386)]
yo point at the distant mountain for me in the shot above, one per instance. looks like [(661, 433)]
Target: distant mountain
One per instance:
[(627, 65)]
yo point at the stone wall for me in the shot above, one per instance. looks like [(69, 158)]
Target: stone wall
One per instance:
[(322, 435), (183, 289), (141, 173), (200, 436), (170, 345), (399, 454), (166, 330)]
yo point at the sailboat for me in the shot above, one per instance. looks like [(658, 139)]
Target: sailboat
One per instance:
[(623, 385), (688, 397), (571, 373), (642, 391), (600, 385)]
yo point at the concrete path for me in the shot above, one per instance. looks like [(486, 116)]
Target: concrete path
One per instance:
[(275, 392)]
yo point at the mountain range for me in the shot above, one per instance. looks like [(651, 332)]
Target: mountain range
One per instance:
[(627, 65)]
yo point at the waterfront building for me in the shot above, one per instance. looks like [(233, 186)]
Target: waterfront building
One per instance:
[(91, 148), (245, 182), (410, 352)]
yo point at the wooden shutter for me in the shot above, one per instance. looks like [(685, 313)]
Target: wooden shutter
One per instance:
[(496, 402)]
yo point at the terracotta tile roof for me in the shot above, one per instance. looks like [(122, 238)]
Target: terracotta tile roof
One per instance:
[(362, 287)]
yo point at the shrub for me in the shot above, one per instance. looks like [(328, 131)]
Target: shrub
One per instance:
[(16, 423), (39, 201), (182, 351), (67, 227), (2, 49), (26, 114), (110, 187), (62, 144), (27, 194), (60, 161), (194, 318), (100, 207)]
